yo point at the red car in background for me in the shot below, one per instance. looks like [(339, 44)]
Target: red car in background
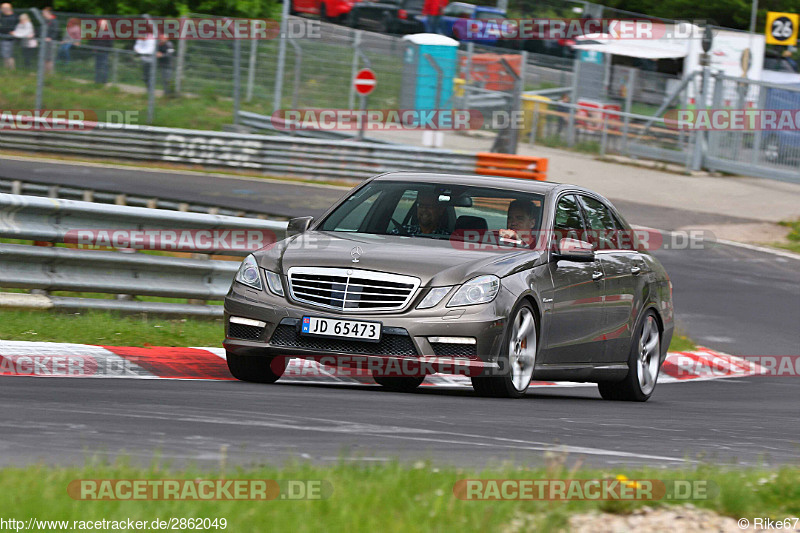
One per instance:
[(326, 9)]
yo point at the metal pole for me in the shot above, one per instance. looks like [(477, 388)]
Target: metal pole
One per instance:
[(41, 59), (298, 63), (604, 135), (351, 101), (181, 61), (114, 65), (251, 68), (571, 126), (237, 78), (534, 124), (697, 154), (628, 105), (276, 100), (151, 86)]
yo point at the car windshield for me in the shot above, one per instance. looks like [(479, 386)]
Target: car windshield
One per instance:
[(440, 211)]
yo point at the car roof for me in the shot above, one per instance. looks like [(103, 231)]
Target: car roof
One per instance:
[(514, 184)]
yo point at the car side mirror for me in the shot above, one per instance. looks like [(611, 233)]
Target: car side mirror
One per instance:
[(574, 250), (298, 225)]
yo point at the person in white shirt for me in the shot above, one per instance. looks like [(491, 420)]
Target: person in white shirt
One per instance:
[(146, 48), (27, 38)]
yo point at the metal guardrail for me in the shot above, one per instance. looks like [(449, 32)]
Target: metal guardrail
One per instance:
[(273, 155), (115, 272), (281, 127), (92, 194)]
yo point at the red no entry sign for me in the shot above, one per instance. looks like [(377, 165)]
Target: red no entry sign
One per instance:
[(365, 81)]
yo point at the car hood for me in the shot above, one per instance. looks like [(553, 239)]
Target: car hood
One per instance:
[(434, 262)]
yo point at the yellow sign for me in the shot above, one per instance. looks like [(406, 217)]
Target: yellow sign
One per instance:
[(782, 28)]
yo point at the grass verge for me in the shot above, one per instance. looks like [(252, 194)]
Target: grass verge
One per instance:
[(104, 327), (793, 236), (387, 497)]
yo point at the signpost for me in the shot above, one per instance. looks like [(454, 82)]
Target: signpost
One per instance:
[(364, 83), (782, 28)]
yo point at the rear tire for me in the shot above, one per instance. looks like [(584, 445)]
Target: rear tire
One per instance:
[(399, 384), (256, 369), (518, 360), (644, 365)]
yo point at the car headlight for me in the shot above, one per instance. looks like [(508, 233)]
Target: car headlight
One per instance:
[(480, 290), (274, 283), (248, 273), (434, 297)]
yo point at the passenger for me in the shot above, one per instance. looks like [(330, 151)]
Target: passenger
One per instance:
[(521, 222)]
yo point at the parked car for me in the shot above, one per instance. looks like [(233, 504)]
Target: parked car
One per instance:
[(453, 21), (388, 16), (782, 146), (329, 10), (441, 269)]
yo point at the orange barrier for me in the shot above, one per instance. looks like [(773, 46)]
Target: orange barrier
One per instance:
[(511, 166)]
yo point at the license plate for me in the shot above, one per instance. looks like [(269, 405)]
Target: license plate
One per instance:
[(348, 329)]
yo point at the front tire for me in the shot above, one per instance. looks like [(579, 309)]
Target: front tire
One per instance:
[(518, 360), (256, 369), (399, 384), (644, 364)]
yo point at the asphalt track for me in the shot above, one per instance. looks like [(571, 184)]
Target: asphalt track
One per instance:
[(738, 301)]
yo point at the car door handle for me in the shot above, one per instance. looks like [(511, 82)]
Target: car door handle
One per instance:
[(597, 275), (635, 270)]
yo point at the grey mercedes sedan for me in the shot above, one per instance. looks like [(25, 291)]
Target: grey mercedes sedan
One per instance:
[(508, 280)]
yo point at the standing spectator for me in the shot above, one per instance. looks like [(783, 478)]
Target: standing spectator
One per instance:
[(71, 38), (146, 48), (432, 9), (102, 47), (164, 53), (51, 40), (27, 36), (8, 23)]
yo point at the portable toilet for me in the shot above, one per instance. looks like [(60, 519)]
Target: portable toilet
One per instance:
[(422, 87)]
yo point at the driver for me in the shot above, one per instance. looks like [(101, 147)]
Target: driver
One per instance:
[(521, 221), (430, 214)]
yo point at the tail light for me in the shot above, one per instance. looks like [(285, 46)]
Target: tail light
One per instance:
[(402, 14)]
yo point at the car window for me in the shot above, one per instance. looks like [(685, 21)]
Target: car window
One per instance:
[(603, 229), (352, 221), (568, 223), (440, 211)]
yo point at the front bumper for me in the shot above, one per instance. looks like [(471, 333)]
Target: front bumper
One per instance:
[(407, 334)]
